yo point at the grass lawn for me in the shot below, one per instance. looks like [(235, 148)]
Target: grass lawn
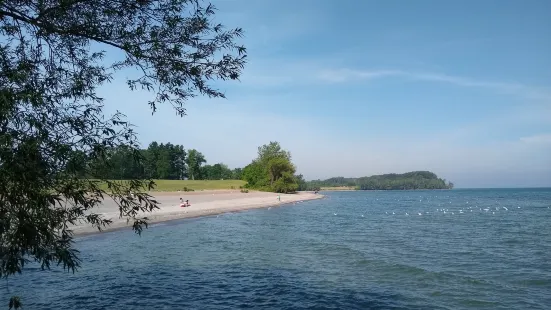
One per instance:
[(197, 185)]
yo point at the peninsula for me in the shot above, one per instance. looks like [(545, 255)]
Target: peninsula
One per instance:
[(405, 181)]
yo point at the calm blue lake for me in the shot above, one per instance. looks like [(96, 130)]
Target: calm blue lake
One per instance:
[(458, 249)]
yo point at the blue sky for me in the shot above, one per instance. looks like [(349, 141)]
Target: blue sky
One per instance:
[(354, 88)]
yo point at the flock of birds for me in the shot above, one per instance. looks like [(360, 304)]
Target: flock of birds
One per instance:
[(459, 211), (448, 210)]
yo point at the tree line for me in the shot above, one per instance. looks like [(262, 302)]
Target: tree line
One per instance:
[(160, 161), (272, 170), (405, 181)]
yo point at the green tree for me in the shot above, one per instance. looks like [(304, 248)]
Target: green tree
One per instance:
[(178, 162), (151, 155), (207, 173), (286, 183), (194, 161), (225, 172), (237, 174), (272, 150), (255, 175), (391, 181), (272, 170), (53, 57), (216, 172), (277, 166)]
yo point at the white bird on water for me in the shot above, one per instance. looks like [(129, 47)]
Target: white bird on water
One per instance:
[(393, 213), (334, 213), (407, 213), (420, 213), (506, 208), (362, 215)]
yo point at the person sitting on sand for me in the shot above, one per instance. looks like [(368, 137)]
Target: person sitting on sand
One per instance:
[(183, 203)]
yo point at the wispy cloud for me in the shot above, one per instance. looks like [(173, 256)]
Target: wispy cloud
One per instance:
[(537, 139), (529, 92)]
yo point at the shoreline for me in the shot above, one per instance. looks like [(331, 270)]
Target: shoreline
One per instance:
[(204, 203), (386, 190)]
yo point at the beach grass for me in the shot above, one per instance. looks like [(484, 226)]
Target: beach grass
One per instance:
[(194, 185)]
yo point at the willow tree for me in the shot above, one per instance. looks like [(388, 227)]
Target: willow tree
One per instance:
[(54, 54)]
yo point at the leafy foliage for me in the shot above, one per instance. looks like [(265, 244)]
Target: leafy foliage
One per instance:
[(194, 161), (53, 132), (161, 162), (217, 172), (405, 181), (15, 303), (272, 170)]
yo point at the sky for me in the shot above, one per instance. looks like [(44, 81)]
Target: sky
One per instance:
[(356, 88)]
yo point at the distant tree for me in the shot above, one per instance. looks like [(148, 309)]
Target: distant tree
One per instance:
[(237, 173), (225, 172), (53, 58), (286, 183), (178, 162), (272, 150), (255, 175), (277, 166), (272, 170), (303, 185), (194, 161), (391, 181), (216, 172)]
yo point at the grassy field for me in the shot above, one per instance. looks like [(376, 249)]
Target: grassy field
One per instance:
[(197, 185)]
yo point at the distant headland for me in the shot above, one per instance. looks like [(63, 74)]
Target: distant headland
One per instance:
[(406, 181)]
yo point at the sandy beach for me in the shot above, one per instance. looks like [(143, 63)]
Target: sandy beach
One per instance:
[(203, 203)]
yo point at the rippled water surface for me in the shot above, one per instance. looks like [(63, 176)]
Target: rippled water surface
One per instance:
[(459, 249)]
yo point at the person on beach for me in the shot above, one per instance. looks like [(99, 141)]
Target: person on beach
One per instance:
[(183, 203), (278, 197)]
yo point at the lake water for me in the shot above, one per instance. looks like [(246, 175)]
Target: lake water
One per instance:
[(469, 249)]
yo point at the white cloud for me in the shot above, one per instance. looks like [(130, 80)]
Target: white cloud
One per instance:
[(529, 92), (343, 75), (537, 139)]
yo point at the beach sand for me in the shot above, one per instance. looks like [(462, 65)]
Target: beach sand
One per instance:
[(203, 203)]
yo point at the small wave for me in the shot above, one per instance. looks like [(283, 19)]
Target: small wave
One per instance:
[(534, 282), (157, 225), (478, 303)]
